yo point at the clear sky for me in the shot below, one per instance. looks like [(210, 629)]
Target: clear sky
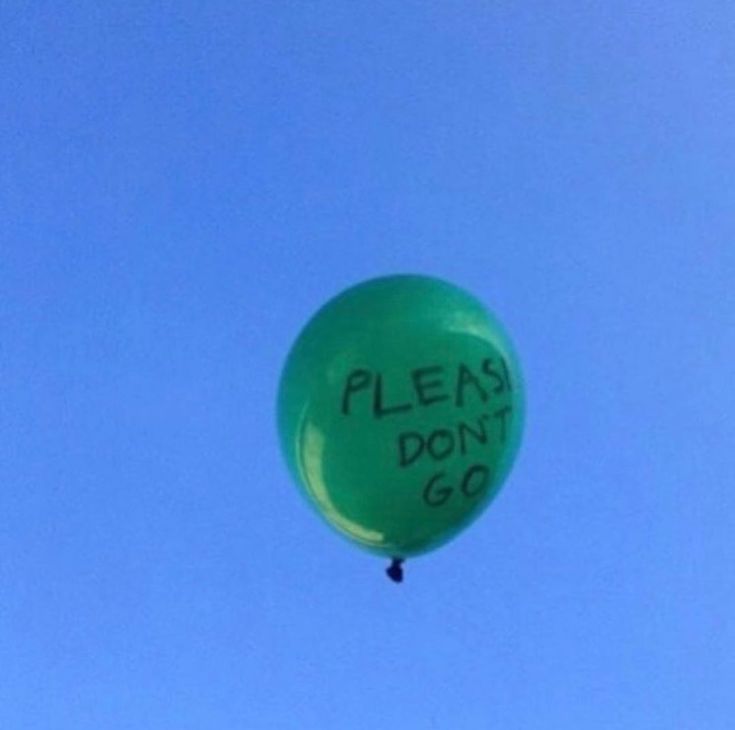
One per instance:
[(183, 183)]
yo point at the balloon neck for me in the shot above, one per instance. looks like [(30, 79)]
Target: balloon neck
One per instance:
[(395, 570)]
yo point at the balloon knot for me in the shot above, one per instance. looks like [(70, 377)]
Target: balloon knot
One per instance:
[(395, 570)]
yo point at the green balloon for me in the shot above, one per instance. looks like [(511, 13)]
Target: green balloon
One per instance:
[(400, 412)]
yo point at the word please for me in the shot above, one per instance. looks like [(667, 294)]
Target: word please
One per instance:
[(427, 385)]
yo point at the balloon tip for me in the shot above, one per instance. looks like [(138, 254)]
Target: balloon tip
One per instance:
[(395, 570)]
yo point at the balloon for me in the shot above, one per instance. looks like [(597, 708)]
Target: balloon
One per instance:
[(400, 411)]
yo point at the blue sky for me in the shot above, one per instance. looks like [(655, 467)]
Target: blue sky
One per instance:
[(183, 184)]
